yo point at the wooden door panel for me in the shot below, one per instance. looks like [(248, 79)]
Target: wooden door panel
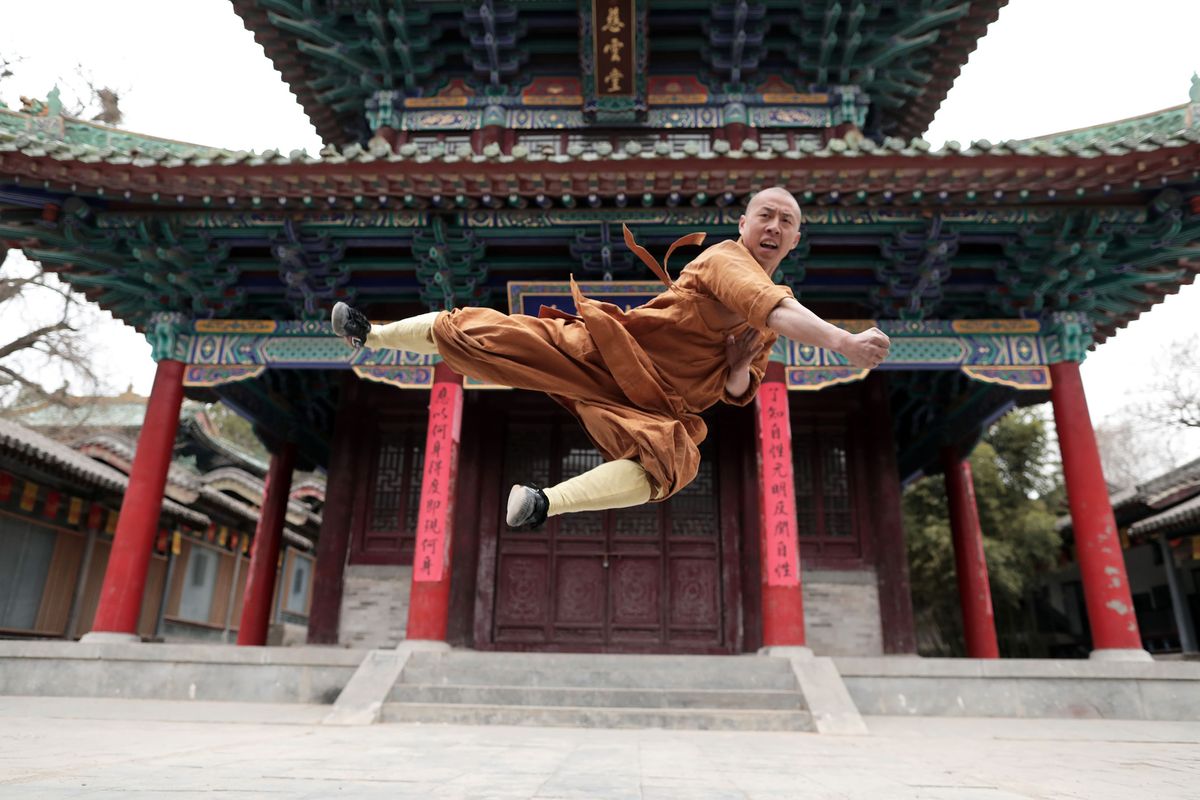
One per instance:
[(636, 592), (579, 591), (647, 578), (522, 597), (695, 588)]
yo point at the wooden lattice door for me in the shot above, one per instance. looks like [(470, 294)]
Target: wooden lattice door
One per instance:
[(638, 579)]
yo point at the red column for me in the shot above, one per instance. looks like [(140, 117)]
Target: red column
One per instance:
[(125, 577), (1098, 547), (891, 553), (970, 566), (779, 544), (429, 601), (329, 573), (264, 552)]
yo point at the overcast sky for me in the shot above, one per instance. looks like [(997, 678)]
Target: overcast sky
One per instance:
[(189, 70)]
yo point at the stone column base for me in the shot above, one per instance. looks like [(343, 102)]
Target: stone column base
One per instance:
[(1120, 654), (787, 651), (109, 637), (425, 645)]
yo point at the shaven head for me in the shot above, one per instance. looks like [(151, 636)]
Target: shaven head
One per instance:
[(770, 228), (777, 193)]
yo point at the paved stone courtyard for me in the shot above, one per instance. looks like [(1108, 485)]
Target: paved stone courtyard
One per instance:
[(93, 748)]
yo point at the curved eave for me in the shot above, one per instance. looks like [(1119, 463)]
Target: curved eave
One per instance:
[(953, 52), (291, 64), (875, 176), (834, 179), (1182, 520), (1157, 293)]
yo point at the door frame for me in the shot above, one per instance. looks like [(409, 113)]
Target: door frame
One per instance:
[(728, 453)]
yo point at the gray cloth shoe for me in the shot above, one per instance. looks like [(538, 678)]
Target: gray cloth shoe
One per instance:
[(351, 324), (527, 507)]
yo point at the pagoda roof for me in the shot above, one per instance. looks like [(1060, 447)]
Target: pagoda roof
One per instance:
[(350, 192), (1163, 122), (1104, 225), (848, 171), (335, 56), (1160, 123)]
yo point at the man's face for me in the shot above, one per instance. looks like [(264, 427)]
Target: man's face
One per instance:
[(770, 228)]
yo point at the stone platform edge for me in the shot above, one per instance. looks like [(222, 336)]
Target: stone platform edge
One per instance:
[(1033, 668), (312, 656)]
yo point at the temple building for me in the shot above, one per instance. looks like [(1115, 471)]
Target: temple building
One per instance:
[(64, 469), (480, 154)]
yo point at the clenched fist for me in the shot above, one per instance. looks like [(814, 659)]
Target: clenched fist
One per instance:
[(868, 349)]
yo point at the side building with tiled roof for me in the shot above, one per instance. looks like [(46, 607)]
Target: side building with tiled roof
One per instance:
[(1158, 523), (60, 497)]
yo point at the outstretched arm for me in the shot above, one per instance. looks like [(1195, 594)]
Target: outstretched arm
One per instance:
[(864, 350)]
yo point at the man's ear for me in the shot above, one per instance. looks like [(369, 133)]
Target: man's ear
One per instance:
[(741, 224), (795, 242)]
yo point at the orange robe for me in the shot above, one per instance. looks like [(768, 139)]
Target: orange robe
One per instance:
[(637, 380)]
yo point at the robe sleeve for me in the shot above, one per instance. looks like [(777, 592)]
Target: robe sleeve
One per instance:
[(758, 368), (732, 276)]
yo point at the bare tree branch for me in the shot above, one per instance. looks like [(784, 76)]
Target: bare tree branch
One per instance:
[(54, 349), (1174, 399), (33, 338)]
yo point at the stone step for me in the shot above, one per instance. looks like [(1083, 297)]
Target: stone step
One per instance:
[(592, 697), (582, 717), (562, 670)]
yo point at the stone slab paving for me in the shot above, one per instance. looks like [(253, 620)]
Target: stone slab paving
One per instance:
[(68, 748)]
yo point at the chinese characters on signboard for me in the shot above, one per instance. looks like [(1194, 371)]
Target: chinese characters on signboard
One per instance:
[(436, 514), (776, 492), (613, 36)]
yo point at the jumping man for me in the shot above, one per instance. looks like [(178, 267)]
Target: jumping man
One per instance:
[(637, 380)]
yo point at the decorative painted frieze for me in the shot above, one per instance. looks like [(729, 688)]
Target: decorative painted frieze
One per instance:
[(1009, 352)]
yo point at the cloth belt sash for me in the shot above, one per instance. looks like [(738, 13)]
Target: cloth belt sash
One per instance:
[(629, 365)]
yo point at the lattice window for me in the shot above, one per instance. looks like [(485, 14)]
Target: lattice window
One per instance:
[(390, 486), (835, 485), (388, 531), (526, 455), (577, 456), (694, 509), (825, 509)]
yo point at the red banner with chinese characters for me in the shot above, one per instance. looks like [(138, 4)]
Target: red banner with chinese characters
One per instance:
[(777, 493), (613, 35), (436, 516)]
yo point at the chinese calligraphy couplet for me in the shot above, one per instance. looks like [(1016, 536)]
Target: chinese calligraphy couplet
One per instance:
[(777, 499), (436, 515)]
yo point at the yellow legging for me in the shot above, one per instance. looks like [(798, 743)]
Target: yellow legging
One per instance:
[(614, 484), (414, 334)]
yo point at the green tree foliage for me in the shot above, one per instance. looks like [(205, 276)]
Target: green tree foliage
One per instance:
[(1018, 491)]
